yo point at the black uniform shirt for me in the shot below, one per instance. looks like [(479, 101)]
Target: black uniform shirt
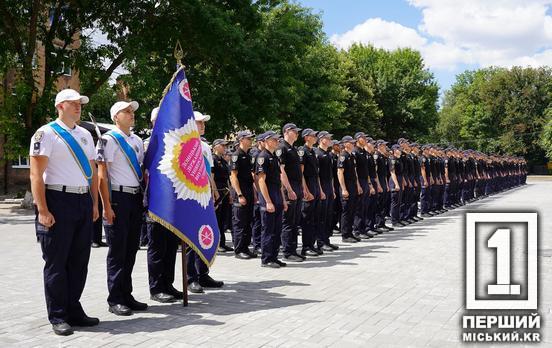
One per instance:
[(325, 164), (221, 171), (361, 163), (289, 158), (269, 164), (242, 163), (309, 161)]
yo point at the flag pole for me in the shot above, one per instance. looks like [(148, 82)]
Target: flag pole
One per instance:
[(179, 54)]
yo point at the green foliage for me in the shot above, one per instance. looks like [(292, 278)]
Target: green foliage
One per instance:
[(498, 110), (546, 137)]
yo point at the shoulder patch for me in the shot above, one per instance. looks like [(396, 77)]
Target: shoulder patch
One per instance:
[(279, 152), (234, 158), (423, 159), (301, 153), (393, 161), (260, 161), (252, 160), (376, 156), (84, 141), (38, 136), (342, 158)]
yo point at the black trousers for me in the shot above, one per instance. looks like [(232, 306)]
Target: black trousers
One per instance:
[(348, 209), (223, 213), (66, 251), (271, 226), (291, 219), (310, 215), (359, 224), (384, 201), (256, 226), (242, 218), (325, 221), (162, 250), (123, 238), (396, 200)]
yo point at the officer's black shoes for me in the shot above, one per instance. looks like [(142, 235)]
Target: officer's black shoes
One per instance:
[(333, 246), (318, 250), (360, 236), (398, 225), (371, 234), (136, 306), (270, 265), (95, 245), (163, 298), (98, 244), (195, 288), (349, 240), (280, 263), (309, 252), (251, 254), (243, 256), (179, 295), (120, 309), (257, 251), (83, 321), (227, 248), (221, 249), (411, 220), (380, 230), (207, 282), (426, 215), (62, 329), (326, 248), (388, 228), (418, 218), (293, 258)]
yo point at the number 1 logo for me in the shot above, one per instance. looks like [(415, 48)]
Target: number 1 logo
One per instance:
[(501, 240)]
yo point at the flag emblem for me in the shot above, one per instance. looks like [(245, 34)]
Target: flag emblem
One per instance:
[(183, 164), (206, 237), (184, 89)]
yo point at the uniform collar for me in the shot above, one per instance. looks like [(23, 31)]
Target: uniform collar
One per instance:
[(116, 129), (64, 126)]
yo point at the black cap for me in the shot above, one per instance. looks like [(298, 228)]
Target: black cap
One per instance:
[(381, 141), (414, 145), (260, 137), (271, 135), (220, 142), (347, 139), (396, 147), (244, 134), (308, 131), (335, 142), (402, 140), (359, 134), (289, 126), (323, 134)]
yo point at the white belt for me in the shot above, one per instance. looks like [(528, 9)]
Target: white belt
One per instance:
[(126, 189), (70, 189)]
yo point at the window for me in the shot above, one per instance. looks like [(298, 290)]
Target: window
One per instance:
[(21, 162)]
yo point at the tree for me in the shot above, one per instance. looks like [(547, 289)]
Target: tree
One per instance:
[(498, 110)]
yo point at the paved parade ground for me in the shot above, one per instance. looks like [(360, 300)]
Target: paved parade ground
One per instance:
[(402, 288)]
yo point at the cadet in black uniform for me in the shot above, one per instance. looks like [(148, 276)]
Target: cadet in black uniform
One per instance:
[(374, 189), (292, 180), (414, 153), (426, 181), (336, 150), (384, 198), (349, 189), (325, 164), (272, 201), (396, 184), (241, 177), (361, 159), (223, 209), (313, 195), (256, 223)]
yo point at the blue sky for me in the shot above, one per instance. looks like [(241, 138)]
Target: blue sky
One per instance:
[(451, 35)]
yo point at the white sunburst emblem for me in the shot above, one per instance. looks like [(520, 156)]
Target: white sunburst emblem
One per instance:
[(183, 164)]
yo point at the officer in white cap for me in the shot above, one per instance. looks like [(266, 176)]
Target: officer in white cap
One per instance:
[(162, 250), (64, 185), (120, 177), (198, 272)]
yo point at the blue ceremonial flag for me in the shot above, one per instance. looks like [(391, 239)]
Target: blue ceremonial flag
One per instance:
[(179, 191)]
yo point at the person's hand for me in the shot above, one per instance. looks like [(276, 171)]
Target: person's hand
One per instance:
[(372, 191), (322, 196), (216, 195), (380, 190), (359, 190), (270, 208), (334, 196), (345, 194), (46, 218), (242, 200), (291, 195), (308, 197), (95, 213), (109, 215), (396, 189)]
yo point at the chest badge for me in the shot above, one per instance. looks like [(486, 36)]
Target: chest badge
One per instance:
[(84, 141), (260, 161)]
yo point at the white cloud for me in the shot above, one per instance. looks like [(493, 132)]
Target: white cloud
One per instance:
[(380, 33), (479, 32)]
